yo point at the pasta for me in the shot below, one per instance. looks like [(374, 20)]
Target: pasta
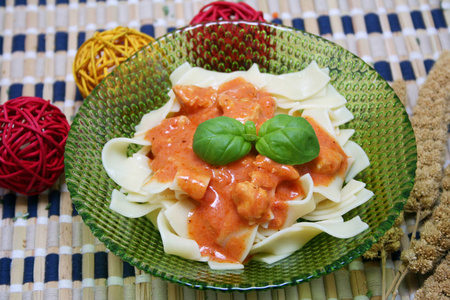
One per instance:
[(269, 234)]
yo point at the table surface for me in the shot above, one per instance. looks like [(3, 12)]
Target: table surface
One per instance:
[(53, 255)]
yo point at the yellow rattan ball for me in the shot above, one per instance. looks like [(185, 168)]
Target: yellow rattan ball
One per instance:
[(100, 54)]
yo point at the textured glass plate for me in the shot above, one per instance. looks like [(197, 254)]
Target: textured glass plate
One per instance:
[(141, 83)]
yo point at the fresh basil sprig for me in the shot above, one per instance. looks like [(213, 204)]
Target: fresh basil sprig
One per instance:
[(283, 138), (222, 140)]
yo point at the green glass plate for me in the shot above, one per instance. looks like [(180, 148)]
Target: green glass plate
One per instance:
[(140, 85)]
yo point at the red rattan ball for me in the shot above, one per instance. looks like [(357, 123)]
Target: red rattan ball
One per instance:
[(33, 134), (222, 10)]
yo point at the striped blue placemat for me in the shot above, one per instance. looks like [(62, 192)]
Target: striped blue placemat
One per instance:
[(46, 251)]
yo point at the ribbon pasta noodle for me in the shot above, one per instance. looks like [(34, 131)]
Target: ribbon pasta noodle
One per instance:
[(169, 204)]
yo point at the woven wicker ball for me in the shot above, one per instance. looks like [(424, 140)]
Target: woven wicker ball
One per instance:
[(99, 55), (33, 135), (223, 10)]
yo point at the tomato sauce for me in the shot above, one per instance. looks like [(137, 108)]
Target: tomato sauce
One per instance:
[(332, 159), (232, 199)]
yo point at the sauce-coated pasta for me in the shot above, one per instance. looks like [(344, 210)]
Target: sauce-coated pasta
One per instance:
[(247, 209)]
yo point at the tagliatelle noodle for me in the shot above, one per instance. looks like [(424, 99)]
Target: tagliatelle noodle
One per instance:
[(332, 191), (129, 209), (298, 86), (154, 186), (340, 116), (361, 161), (178, 214), (349, 190), (174, 244), (299, 207), (327, 97), (224, 266), (249, 237), (291, 239), (328, 209), (154, 118), (117, 164), (168, 206), (322, 117), (135, 197), (344, 135), (204, 78)]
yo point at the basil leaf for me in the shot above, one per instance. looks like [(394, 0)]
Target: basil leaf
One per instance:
[(220, 140), (288, 140), (284, 139)]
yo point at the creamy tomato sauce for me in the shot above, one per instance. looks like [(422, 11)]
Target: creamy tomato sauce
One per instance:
[(232, 199), (332, 159)]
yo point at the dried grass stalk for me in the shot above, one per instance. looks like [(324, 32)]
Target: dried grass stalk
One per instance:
[(388, 243), (424, 253), (430, 119), (430, 129), (437, 286)]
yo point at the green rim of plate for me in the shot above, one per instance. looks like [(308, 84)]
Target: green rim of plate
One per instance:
[(140, 85)]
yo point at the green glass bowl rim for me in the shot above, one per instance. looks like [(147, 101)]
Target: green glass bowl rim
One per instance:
[(324, 270)]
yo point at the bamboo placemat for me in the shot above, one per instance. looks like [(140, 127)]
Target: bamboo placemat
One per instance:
[(51, 254)]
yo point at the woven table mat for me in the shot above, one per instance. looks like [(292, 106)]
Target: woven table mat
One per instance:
[(51, 254)]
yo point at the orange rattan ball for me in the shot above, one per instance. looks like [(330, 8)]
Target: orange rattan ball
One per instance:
[(99, 55)]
